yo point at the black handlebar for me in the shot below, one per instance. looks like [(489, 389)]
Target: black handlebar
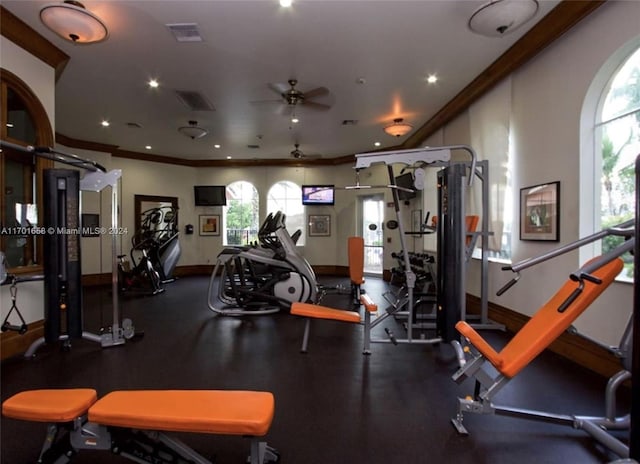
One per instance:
[(508, 285)]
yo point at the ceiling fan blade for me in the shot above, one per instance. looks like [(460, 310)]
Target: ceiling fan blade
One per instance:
[(317, 92), (279, 88), (317, 106), (265, 102)]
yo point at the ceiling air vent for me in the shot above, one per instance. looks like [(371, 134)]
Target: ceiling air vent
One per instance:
[(134, 125), (195, 101), (253, 147), (349, 122), (185, 32)]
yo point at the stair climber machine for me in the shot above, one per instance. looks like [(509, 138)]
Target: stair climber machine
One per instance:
[(262, 278)]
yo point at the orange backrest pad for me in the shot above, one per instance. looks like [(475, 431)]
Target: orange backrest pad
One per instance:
[(228, 412), (51, 405), (355, 247), (546, 324)]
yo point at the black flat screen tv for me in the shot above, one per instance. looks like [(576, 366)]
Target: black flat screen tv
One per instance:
[(210, 195), (405, 181), (318, 195)]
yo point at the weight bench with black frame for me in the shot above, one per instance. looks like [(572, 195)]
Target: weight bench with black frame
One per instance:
[(132, 423)]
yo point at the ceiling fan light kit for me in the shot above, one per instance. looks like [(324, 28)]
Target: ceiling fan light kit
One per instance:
[(500, 17), (193, 131), (73, 22), (398, 128)]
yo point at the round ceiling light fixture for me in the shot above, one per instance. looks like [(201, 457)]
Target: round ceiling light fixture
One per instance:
[(398, 128), (73, 22), (501, 17), (193, 131)]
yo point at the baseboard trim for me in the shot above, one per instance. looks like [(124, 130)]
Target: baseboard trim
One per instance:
[(12, 343)]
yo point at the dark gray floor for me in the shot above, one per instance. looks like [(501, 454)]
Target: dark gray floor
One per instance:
[(333, 405)]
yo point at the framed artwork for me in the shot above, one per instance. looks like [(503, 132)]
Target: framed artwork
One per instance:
[(319, 225), (416, 220), (209, 224), (540, 212)]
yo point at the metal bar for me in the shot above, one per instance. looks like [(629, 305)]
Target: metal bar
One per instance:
[(55, 155)]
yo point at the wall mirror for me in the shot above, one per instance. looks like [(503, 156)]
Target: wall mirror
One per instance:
[(145, 203)]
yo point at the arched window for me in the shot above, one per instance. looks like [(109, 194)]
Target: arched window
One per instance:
[(24, 122), (286, 196), (241, 216), (609, 171)]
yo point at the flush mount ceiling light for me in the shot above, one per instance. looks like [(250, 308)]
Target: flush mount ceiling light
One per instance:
[(500, 17), (193, 131), (73, 22), (398, 128)]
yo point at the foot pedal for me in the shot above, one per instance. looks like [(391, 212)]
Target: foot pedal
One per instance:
[(391, 336)]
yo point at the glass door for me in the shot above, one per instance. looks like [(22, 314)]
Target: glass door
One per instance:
[(372, 220)]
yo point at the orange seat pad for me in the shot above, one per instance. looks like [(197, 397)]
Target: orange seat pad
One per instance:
[(322, 312), (228, 412), (49, 405), (368, 303), (355, 247)]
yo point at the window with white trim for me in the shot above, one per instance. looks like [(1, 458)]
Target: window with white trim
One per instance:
[(286, 196), (241, 215)]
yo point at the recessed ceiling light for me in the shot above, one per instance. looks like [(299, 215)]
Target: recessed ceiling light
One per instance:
[(216, 145), (432, 79), (148, 147), (228, 157), (286, 3), (153, 83), (377, 144), (295, 120), (105, 123)]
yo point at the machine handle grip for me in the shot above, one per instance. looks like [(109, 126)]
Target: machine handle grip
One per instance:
[(508, 285), (571, 298)]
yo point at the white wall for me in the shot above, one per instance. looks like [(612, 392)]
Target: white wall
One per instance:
[(548, 95)]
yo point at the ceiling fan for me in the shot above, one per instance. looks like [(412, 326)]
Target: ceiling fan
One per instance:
[(291, 97), (299, 154)]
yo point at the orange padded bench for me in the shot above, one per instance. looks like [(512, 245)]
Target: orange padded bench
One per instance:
[(355, 250), (224, 412), (312, 311)]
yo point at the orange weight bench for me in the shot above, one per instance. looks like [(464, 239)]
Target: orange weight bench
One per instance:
[(546, 325), (131, 423), (312, 311), (355, 249)]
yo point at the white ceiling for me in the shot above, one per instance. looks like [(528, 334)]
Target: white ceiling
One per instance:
[(373, 56)]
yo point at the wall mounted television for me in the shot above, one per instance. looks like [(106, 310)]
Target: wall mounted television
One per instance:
[(210, 195), (405, 181), (318, 195)]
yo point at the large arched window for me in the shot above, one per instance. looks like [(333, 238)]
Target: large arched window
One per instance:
[(608, 163), (240, 216), (24, 122), (286, 196)]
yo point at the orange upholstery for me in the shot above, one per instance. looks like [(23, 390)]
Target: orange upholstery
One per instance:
[(355, 247), (198, 411), (545, 326), (368, 303), (322, 312), (54, 406)]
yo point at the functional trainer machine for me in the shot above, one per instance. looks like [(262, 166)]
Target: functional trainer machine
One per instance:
[(61, 246)]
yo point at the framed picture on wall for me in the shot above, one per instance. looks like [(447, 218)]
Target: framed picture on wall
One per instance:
[(209, 224), (540, 212), (319, 225)]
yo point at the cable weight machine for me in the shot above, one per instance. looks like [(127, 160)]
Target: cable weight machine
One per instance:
[(61, 247)]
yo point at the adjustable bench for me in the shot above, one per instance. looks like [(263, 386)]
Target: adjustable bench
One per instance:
[(130, 423), (312, 311), (546, 325)]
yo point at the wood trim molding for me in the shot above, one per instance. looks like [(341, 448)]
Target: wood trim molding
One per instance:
[(28, 39), (13, 344), (562, 18)]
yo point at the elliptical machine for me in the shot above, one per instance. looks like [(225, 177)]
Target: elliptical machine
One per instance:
[(155, 251), (262, 278)]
